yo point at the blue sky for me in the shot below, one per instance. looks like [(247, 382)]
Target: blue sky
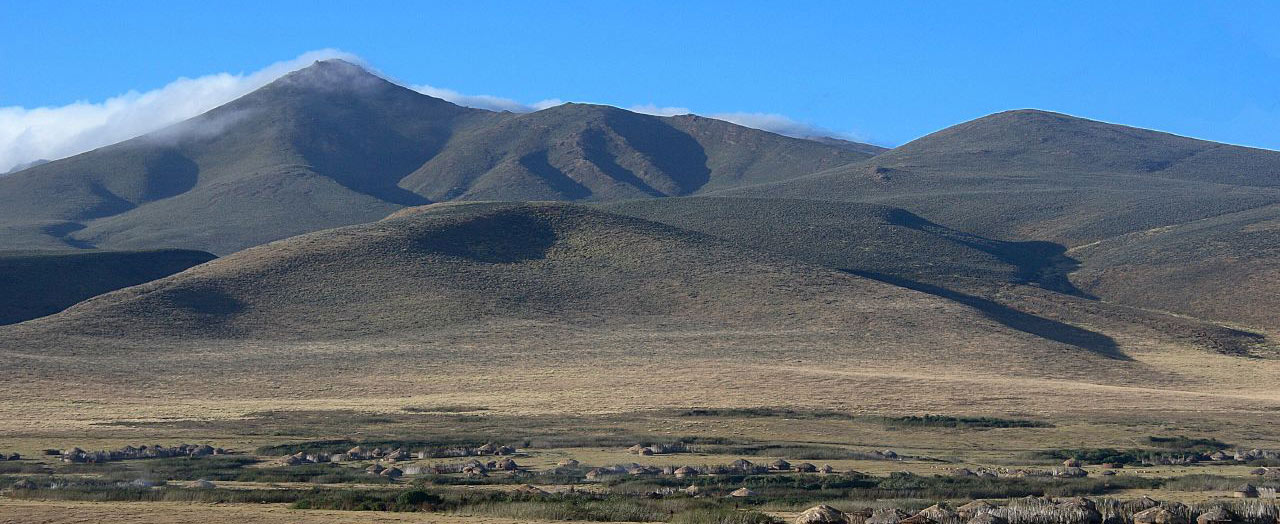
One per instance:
[(885, 72)]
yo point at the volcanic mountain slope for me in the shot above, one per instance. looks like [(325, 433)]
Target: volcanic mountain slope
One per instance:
[(1224, 268), (562, 307), (1023, 285), (1035, 175), (521, 282), (860, 237), (333, 145), (36, 284)]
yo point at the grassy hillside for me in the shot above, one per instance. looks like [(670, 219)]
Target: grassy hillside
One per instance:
[(1034, 175), (1225, 268), (990, 276), (333, 145), (36, 284)]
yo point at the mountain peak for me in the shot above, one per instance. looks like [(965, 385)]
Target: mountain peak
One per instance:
[(331, 74)]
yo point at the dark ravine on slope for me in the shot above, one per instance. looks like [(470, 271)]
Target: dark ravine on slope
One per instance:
[(333, 145)]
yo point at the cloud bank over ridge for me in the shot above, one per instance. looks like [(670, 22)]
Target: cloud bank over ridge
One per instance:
[(29, 136)]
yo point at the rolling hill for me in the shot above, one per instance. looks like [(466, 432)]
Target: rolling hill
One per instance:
[(332, 145), (1036, 175), (525, 285), (37, 284), (1224, 268)]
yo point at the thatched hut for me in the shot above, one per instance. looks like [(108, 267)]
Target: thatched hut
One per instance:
[(527, 489), (918, 519), (1258, 471), (1218, 515), (635, 450), (596, 474), (507, 464), (988, 518), (392, 473), (685, 472), (805, 467), (1071, 463), (741, 465), (975, 508), (1247, 491), (1158, 515), (940, 513), (826, 468), (887, 516), (780, 465), (505, 450), (693, 491), (203, 484), (487, 449), (742, 493), (570, 463), (375, 469), (821, 514)]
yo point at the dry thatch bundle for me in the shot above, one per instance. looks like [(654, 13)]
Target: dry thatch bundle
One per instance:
[(887, 516), (940, 513), (988, 518), (975, 508), (821, 514), (1217, 515), (527, 489), (1158, 515)]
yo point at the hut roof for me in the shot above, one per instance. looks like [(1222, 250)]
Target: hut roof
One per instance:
[(821, 514), (887, 516), (1215, 516), (826, 468), (939, 512), (1157, 515), (976, 506), (780, 464), (988, 518), (742, 492), (530, 490)]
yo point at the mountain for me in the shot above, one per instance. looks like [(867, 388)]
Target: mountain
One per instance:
[(37, 284), (1036, 175), (332, 145)]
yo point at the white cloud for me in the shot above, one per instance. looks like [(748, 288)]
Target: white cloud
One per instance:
[(492, 103), (651, 109), (56, 132)]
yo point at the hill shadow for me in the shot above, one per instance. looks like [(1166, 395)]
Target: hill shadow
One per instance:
[(538, 164), (1044, 264), (1091, 341), (501, 238)]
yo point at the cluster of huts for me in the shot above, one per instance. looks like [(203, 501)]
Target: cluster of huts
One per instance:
[(658, 449), (77, 455), (1239, 455), (740, 466), (394, 455), (1069, 470), (470, 468), (1033, 510)]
